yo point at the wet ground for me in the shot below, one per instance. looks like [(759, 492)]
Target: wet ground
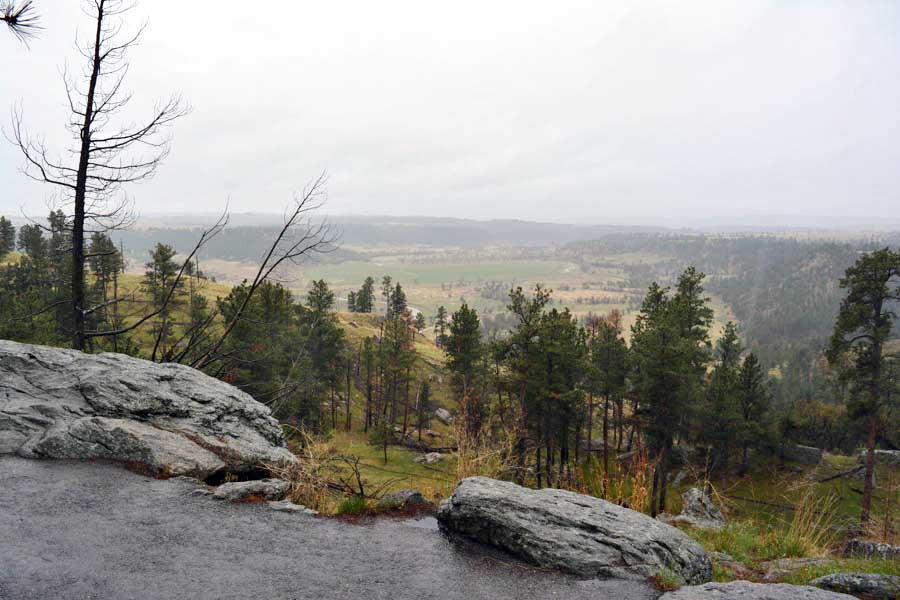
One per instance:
[(79, 530)]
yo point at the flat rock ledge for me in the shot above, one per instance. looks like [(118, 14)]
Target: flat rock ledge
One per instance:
[(165, 419), (871, 586), (744, 590), (579, 534)]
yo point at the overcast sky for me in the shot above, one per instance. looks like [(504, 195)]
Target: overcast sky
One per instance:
[(562, 111)]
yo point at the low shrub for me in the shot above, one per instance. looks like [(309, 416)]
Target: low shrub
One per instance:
[(353, 506)]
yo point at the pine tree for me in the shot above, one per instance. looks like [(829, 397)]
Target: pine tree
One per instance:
[(351, 302), (365, 297), (105, 263), (420, 322), (325, 342), (753, 399), (386, 289), (159, 279), (607, 372), (720, 418), (464, 352), (7, 237), (863, 325), (670, 346), (397, 300), (440, 326)]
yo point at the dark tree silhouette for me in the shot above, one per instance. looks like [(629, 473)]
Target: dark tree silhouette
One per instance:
[(21, 19), (106, 154)]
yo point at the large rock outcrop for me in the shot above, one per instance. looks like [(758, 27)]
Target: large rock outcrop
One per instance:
[(579, 534), (744, 590), (167, 419)]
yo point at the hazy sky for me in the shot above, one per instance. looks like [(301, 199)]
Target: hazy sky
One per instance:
[(564, 111)]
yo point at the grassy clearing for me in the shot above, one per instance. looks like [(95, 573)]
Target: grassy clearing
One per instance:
[(400, 472)]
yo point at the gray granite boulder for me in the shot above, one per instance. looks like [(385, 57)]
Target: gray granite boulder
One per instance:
[(261, 489), (805, 455), (444, 416), (165, 419), (744, 590), (857, 548), (870, 586), (430, 458), (403, 499), (583, 535), (698, 510), (882, 457)]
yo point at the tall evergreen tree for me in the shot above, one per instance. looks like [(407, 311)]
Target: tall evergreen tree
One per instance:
[(753, 398), (159, 277), (7, 237), (420, 322), (719, 419), (670, 342), (606, 373), (397, 300), (325, 342), (386, 289), (365, 297), (863, 325), (464, 352), (440, 326)]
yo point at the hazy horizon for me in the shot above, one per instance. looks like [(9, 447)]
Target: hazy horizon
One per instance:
[(696, 115)]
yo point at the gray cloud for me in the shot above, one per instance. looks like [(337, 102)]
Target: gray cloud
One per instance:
[(557, 111)]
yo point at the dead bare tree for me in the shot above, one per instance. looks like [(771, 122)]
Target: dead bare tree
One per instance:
[(21, 19), (107, 152)]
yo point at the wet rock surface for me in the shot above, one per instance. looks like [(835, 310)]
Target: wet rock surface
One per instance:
[(164, 419), (744, 590), (563, 530), (95, 531)]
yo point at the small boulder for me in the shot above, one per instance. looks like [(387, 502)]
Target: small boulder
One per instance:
[(745, 590), (857, 548), (776, 570), (582, 535), (444, 416), (404, 499), (871, 586), (882, 457), (289, 507), (430, 458), (699, 511), (804, 455), (263, 489)]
